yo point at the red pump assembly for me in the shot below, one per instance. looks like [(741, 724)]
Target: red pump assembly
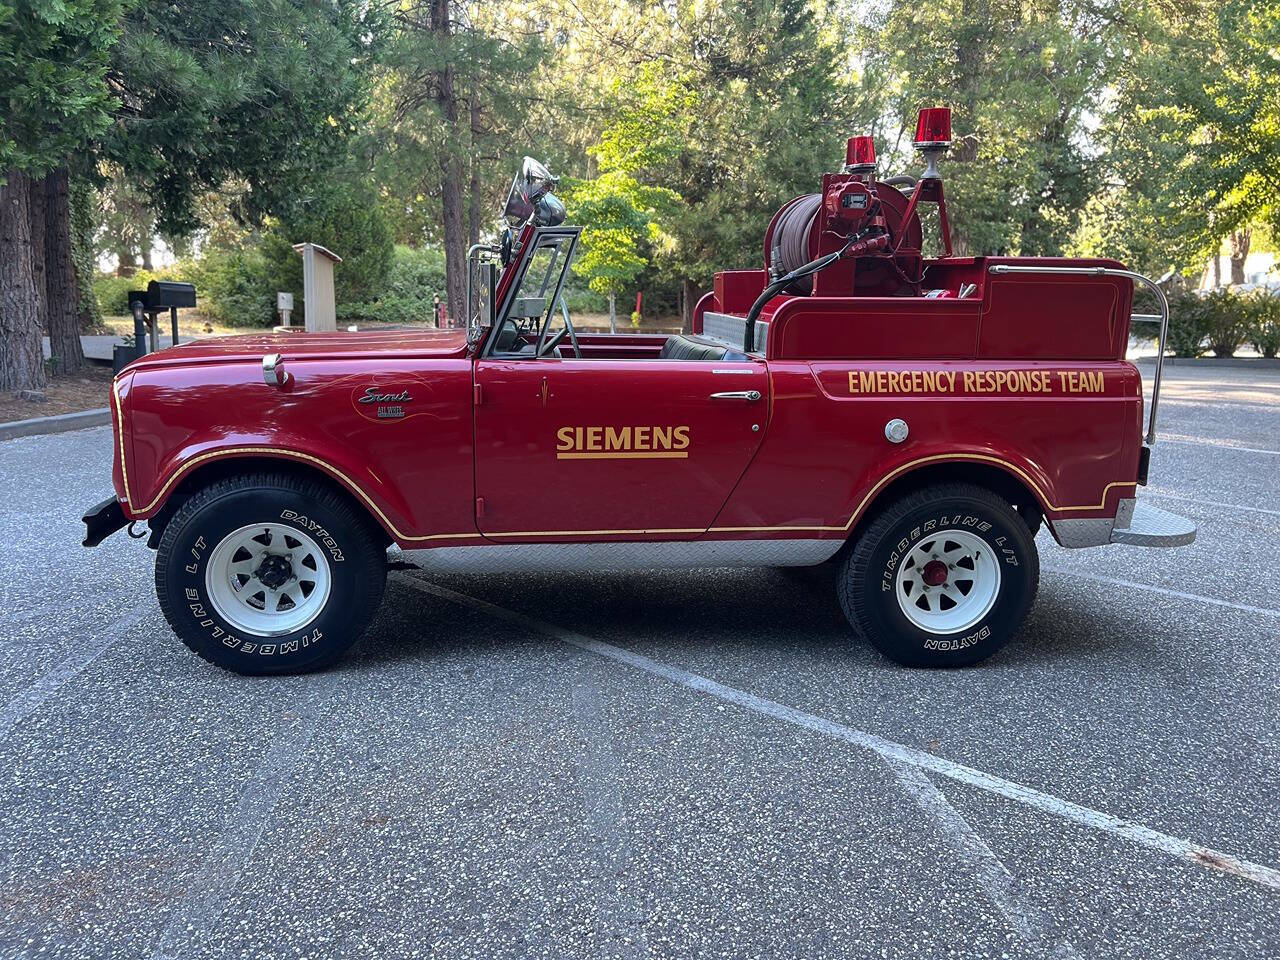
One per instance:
[(853, 201)]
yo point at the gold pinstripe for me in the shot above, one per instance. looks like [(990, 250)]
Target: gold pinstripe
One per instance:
[(400, 535), (117, 410)]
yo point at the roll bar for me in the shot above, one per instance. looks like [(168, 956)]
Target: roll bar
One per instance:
[(1162, 317)]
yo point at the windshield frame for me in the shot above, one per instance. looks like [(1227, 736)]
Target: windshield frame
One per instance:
[(525, 259)]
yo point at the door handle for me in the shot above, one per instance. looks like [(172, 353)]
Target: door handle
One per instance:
[(751, 396)]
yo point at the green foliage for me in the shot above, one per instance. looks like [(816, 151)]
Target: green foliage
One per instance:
[(236, 287), (347, 220), (1021, 80), (581, 301), (733, 123), (264, 91), (415, 278), (1226, 321), (1220, 321), (112, 292), (53, 60), (1191, 137), (1263, 316), (1188, 324), (619, 221)]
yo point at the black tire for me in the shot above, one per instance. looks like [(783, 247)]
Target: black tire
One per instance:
[(352, 547), (869, 581)]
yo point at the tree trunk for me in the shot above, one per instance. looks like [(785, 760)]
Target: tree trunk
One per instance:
[(1238, 241), (88, 312), (125, 264), (146, 255), (688, 300), (21, 357), (451, 176), (473, 201), (62, 292), (36, 213), (1216, 269), (613, 313)]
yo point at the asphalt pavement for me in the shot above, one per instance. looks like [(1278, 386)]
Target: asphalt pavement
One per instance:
[(667, 764)]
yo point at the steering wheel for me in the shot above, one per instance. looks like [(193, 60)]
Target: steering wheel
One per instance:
[(550, 346)]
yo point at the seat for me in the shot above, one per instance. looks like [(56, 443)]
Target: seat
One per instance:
[(685, 347)]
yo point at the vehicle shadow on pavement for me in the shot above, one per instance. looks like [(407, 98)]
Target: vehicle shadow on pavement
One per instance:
[(742, 610)]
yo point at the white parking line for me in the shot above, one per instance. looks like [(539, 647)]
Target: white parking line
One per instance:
[(619, 918), (192, 919), (1216, 504), (1218, 404), (999, 884), (1163, 591), (1216, 444), (86, 651), (1046, 803)]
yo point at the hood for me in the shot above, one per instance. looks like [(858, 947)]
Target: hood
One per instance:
[(394, 342)]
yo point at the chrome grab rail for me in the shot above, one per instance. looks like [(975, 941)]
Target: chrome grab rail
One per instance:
[(1162, 317)]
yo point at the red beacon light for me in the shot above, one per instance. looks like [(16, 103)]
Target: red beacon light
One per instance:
[(933, 128), (933, 136), (860, 155)]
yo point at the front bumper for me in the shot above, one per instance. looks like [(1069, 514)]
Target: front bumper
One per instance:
[(103, 520), (1150, 526)]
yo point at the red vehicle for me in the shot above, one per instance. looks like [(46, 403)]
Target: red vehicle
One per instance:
[(912, 418)]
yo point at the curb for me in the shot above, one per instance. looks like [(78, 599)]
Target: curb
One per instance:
[(59, 423)]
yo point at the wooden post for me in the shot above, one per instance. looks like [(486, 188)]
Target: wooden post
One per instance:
[(318, 302)]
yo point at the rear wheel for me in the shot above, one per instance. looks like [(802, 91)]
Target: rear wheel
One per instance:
[(269, 573), (942, 577)]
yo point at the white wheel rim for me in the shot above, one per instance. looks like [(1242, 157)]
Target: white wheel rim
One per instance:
[(268, 579), (970, 588)]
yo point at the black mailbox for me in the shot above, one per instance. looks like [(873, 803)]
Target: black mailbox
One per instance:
[(145, 304), (170, 293)]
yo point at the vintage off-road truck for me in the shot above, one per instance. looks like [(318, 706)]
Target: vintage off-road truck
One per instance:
[(911, 418)]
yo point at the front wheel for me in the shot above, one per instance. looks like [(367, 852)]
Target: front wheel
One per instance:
[(942, 577), (269, 573)]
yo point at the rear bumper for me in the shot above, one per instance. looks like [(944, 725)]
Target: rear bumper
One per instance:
[(103, 520), (1150, 526), (1135, 523)]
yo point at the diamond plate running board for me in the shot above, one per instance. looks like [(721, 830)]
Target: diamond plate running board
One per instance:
[(1152, 527)]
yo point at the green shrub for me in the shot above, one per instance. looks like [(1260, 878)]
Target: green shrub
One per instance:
[(113, 292), (585, 301), (1188, 324), (1263, 308), (415, 278), (235, 288), (346, 219), (1227, 323)]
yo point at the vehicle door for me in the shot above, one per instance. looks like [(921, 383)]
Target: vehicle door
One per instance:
[(588, 449)]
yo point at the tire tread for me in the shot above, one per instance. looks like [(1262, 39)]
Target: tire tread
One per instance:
[(367, 599)]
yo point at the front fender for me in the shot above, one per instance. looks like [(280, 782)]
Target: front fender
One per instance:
[(413, 472)]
